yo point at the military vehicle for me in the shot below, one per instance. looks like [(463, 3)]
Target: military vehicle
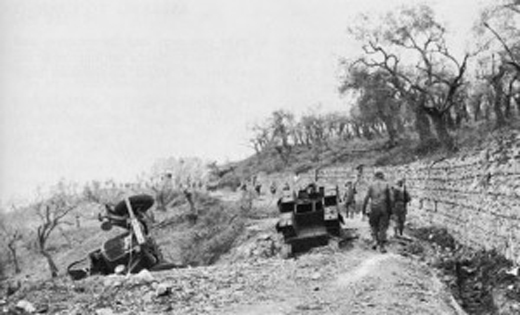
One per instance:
[(308, 218), (129, 252)]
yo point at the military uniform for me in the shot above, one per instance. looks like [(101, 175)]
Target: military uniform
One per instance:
[(350, 201), (380, 209), (400, 199)]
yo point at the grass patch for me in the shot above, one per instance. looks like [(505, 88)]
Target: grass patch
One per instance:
[(204, 241), (217, 227)]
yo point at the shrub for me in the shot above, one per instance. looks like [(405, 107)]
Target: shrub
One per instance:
[(230, 181)]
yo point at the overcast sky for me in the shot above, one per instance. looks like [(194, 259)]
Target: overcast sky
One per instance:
[(101, 89)]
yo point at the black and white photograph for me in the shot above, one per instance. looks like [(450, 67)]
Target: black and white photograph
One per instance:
[(260, 157)]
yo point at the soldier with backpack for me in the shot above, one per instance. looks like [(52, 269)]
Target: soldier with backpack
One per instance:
[(350, 200), (400, 199), (380, 209)]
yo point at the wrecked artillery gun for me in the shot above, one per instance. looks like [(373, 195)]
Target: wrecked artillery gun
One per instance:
[(129, 252), (308, 219)]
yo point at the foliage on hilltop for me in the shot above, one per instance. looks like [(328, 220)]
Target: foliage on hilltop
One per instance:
[(408, 94)]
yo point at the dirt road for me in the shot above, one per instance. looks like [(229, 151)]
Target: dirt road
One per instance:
[(253, 279), (351, 280)]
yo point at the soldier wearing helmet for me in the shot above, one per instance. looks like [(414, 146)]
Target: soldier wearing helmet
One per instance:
[(400, 197), (380, 209), (349, 199)]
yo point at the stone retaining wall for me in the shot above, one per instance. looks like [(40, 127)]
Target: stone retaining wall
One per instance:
[(475, 196)]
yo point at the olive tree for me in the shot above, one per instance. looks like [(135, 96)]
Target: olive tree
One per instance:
[(11, 235), (498, 37), (376, 101), (410, 47), (52, 211)]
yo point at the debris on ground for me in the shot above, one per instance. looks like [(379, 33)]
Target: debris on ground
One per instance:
[(25, 306), (252, 278), (483, 282)]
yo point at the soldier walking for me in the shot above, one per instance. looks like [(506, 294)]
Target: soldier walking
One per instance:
[(286, 190), (401, 198), (273, 188), (350, 200), (380, 207)]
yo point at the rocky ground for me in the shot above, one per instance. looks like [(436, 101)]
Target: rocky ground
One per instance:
[(254, 279)]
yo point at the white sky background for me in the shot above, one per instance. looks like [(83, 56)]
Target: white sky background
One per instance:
[(101, 89)]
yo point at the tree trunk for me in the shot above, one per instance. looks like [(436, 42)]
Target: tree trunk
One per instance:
[(367, 133), (498, 87), (422, 124), (442, 132), (487, 111), (392, 132), (285, 155), (357, 132), (194, 212), (341, 130), (477, 109), (52, 266), (517, 101), (507, 106), (399, 125), (509, 98), (497, 107), (449, 120), (12, 249), (461, 114)]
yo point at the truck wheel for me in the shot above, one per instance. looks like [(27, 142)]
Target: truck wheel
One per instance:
[(335, 229)]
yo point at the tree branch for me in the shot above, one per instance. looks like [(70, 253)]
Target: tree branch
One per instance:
[(506, 47)]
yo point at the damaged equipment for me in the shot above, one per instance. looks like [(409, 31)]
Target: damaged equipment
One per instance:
[(129, 252), (309, 218)]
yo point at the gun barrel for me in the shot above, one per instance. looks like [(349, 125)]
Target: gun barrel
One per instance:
[(136, 226)]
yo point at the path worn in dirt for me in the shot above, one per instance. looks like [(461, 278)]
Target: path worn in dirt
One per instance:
[(353, 279)]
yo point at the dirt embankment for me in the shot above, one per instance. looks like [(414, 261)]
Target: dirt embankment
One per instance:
[(483, 282), (253, 279)]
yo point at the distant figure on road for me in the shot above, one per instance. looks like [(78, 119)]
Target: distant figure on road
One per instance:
[(258, 188), (400, 198), (273, 188), (380, 209), (350, 200), (286, 190)]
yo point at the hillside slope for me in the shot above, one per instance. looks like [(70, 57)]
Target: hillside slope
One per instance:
[(374, 152), (253, 279), (234, 252)]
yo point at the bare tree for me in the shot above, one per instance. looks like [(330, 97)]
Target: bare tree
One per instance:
[(51, 212), (498, 31), (501, 20), (430, 77), (261, 137), (281, 124), (11, 235)]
